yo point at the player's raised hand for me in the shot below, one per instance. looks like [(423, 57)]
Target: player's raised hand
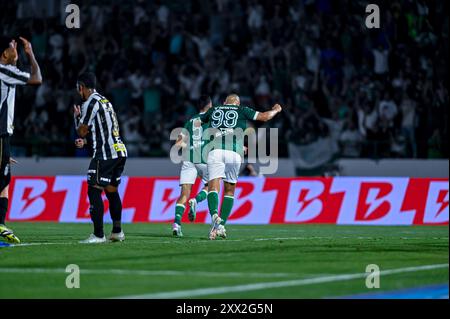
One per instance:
[(13, 44), (27, 46), (13, 51), (12, 161), (277, 107), (76, 110)]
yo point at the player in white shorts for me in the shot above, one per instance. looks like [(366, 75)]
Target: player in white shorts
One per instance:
[(190, 169), (224, 160), (224, 164)]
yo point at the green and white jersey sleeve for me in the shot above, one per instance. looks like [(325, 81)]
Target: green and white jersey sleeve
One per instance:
[(195, 128), (249, 113)]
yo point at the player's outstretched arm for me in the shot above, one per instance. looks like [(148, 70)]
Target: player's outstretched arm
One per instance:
[(267, 116), (35, 77)]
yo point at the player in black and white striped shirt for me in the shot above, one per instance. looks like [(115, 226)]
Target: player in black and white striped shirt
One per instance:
[(97, 117), (10, 77)]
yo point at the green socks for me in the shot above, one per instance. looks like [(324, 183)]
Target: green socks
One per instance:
[(213, 202), (227, 206), (179, 210), (201, 196)]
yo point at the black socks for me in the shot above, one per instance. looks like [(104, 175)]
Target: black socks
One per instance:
[(115, 208), (97, 210), (3, 209)]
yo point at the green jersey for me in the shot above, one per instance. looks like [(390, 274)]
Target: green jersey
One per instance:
[(231, 122), (195, 128)]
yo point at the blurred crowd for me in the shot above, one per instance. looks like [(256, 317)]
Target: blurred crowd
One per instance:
[(378, 92)]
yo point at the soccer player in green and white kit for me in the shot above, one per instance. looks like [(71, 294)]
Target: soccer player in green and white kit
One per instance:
[(192, 166), (224, 159)]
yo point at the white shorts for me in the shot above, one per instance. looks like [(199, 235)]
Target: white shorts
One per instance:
[(190, 171), (224, 164)]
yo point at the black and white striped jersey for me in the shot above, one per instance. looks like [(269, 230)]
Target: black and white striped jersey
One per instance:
[(98, 113), (10, 76)]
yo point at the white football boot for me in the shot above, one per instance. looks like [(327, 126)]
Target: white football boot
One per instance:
[(221, 231), (192, 209), (176, 230), (215, 223), (92, 239), (115, 237)]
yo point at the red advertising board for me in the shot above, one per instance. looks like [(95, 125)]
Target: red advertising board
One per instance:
[(339, 200)]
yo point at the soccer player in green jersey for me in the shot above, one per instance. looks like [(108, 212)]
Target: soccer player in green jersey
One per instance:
[(192, 166), (225, 158)]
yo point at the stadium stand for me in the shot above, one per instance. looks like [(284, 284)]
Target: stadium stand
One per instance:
[(372, 93)]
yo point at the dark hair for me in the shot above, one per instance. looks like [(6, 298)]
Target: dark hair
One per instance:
[(203, 101), (87, 79)]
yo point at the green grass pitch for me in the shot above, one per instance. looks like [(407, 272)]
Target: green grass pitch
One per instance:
[(271, 261)]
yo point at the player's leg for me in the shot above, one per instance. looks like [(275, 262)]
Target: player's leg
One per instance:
[(96, 211), (213, 206), (5, 178), (3, 204), (180, 208), (115, 209), (188, 174), (5, 232), (95, 190), (115, 203), (232, 168), (228, 201), (201, 196), (213, 196), (202, 171), (216, 171)]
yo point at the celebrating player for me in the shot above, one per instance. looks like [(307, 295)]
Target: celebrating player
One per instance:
[(97, 117), (193, 165), (224, 161), (10, 76)]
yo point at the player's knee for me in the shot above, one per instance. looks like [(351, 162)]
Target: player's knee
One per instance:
[(94, 191), (213, 189), (111, 194), (229, 189), (111, 189), (213, 185), (186, 190)]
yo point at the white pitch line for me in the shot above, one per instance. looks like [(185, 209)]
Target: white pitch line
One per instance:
[(179, 241), (147, 272), (318, 237), (40, 244), (289, 238), (269, 285), (77, 243)]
